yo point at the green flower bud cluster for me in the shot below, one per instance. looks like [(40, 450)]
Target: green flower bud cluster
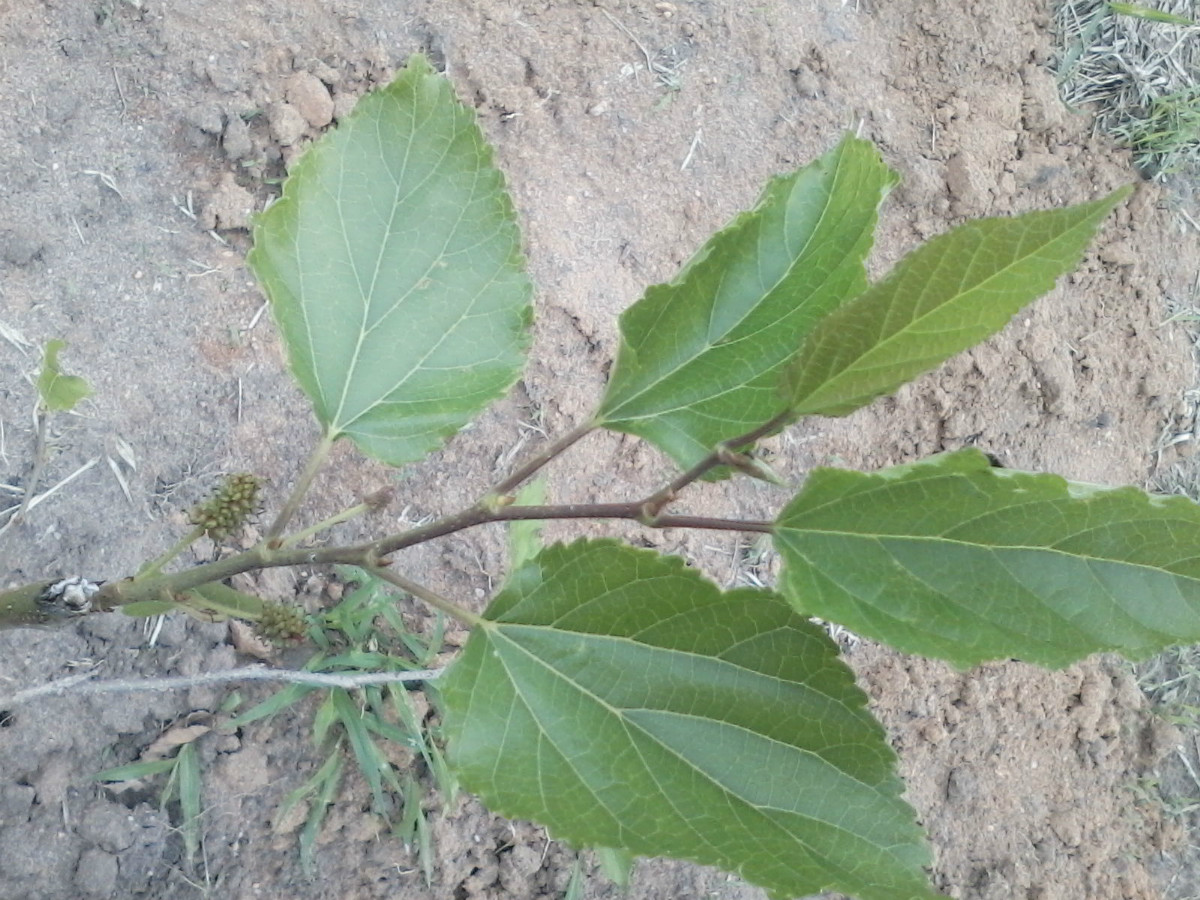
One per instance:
[(227, 509), (281, 622)]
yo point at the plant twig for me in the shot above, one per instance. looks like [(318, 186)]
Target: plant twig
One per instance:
[(636, 511), (156, 565), (434, 599), (717, 457), (531, 466), (337, 519), (39, 461), (36, 501), (370, 555), (81, 683)]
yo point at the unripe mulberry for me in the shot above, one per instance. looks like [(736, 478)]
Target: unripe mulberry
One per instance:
[(280, 622), (228, 508)]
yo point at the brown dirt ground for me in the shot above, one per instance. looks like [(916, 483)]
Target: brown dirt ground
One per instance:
[(133, 127)]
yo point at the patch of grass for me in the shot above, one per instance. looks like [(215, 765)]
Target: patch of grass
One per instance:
[(184, 783), (1140, 65), (365, 633), (1167, 138)]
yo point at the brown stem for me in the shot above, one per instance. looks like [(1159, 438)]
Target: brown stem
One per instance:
[(371, 555), (717, 457), (534, 463)]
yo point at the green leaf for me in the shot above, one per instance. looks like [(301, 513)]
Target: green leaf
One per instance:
[(59, 392), (325, 783), (624, 701), (946, 296), (134, 771), (393, 267), (190, 800), (225, 601), (701, 358), (525, 536), (1137, 11), (146, 608), (617, 865), (952, 558)]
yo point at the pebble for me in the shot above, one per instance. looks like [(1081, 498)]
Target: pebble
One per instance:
[(20, 248), (205, 116), (1119, 253), (236, 140), (310, 98), (96, 873), (229, 206), (287, 125), (965, 183), (343, 103)]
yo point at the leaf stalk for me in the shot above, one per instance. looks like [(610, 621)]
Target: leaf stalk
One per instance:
[(316, 459)]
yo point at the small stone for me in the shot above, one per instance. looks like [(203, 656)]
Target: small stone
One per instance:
[(311, 99), (1067, 827), (287, 125), (965, 181), (205, 116), (343, 104), (1036, 170), (229, 206), (96, 873), (236, 139), (109, 826), (807, 82), (1041, 106), (327, 73), (1118, 253)]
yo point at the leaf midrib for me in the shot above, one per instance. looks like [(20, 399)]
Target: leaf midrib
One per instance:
[(911, 323), (709, 342), (995, 551), (760, 811), (336, 424), (498, 630)]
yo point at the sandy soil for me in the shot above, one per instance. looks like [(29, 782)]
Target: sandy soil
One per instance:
[(139, 134)]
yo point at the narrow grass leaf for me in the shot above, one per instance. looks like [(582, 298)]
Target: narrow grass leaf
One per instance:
[(326, 782), (1149, 14), (146, 608), (617, 865), (134, 771), (393, 266), (190, 802), (280, 700), (324, 719), (413, 827), (955, 559), (622, 700), (946, 296), (701, 358), (577, 882), (225, 601), (366, 754)]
